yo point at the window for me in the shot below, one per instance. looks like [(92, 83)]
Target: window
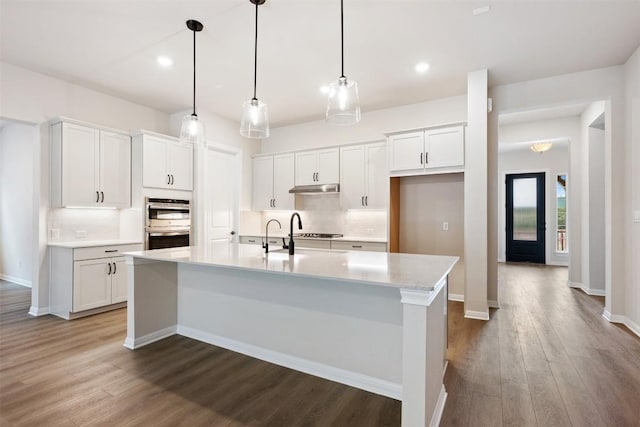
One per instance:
[(561, 213)]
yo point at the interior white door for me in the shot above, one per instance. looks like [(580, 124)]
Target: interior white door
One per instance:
[(376, 195), (221, 198), (406, 151)]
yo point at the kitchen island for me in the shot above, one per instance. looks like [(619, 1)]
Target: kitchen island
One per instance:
[(376, 321)]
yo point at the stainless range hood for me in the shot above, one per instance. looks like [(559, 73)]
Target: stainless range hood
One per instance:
[(315, 189)]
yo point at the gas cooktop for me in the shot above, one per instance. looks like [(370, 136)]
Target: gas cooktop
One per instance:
[(318, 235)]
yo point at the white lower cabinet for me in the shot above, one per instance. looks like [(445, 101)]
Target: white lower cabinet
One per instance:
[(88, 280), (349, 245)]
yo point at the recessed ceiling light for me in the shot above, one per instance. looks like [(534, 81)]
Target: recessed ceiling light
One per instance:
[(164, 61), (422, 67), (324, 89), (481, 10)]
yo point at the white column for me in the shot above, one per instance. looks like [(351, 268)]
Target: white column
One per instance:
[(423, 347)]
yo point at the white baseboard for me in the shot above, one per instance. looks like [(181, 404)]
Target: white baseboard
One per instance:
[(439, 409), (456, 297), (133, 344), (16, 280), (493, 303), (350, 378), (478, 315), (581, 286), (36, 311), (616, 318), (558, 263)]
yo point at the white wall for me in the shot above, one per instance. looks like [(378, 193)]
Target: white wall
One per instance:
[(17, 143), (632, 121), (553, 162), (373, 126), (36, 98), (594, 85)]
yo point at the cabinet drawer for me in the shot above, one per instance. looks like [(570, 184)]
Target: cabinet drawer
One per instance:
[(104, 251), (313, 244), (347, 245)]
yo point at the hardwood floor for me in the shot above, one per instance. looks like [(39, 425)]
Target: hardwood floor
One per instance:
[(546, 358)]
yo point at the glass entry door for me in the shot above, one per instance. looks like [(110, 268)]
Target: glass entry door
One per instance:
[(525, 219)]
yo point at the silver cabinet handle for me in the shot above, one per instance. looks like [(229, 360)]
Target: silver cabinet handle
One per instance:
[(251, 240), (366, 200), (102, 194), (168, 179), (114, 268), (274, 203), (109, 273), (173, 180), (110, 250), (97, 197), (356, 246), (421, 162), (426, 158), (362, 201)]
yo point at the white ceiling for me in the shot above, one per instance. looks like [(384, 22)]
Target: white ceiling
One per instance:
[(111, 46)]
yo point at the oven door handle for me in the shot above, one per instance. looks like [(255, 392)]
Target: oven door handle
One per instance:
[(167, 233)]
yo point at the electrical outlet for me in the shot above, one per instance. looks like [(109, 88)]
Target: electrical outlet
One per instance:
[(445, 226), (81, 234), (55, 233)]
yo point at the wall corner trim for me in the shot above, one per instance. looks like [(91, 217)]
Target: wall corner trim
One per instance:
[(624, 320), (477, 315), (38, 311)]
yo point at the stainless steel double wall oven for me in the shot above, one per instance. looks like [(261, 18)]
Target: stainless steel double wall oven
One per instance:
[(168, 223)]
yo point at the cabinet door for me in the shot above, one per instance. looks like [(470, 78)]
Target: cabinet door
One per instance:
[(406, 151), (262, 192), (180, 165), (91, 284), (80, 165), (376, 194), (115, 169), (306, 166), (445, 147), (118, 280), (352, 177), (154, 162), (283, 181), (328, 166)]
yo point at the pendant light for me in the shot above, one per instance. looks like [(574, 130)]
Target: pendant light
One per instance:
[(255, 118), (343, 107), (192, 128)]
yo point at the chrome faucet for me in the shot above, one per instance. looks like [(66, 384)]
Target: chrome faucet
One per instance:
[(265, 245), (291, 244)]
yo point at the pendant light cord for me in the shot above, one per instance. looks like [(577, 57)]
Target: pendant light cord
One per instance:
[(255, 56), (194, 72), (342, 36)]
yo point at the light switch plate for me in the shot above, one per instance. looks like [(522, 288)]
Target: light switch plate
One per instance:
[(445, 226)]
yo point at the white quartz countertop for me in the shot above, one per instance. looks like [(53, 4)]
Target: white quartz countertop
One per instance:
[(408, 271), (74, 244)]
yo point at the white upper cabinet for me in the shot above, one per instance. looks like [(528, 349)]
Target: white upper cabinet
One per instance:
[(363, 175), (89, 167), (115, 169), (429, 149), (317, 167), (273, 176), (166, 163)]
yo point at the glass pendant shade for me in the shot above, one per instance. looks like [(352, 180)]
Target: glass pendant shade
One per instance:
[(255, 119), (192, 130), (541, 147), (343, 107)]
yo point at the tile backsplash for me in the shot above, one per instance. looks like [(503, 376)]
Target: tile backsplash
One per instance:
[(83, 224), (323, 214)]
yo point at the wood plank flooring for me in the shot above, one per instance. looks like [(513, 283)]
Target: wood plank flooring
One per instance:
[(545, 358)]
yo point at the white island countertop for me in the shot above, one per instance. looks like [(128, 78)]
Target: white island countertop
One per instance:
[(75, 244), (395, 270)]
